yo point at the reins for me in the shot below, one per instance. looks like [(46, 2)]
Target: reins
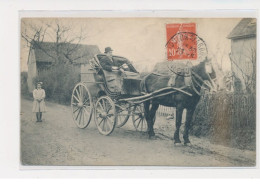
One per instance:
[(194, 86), (194, 80)]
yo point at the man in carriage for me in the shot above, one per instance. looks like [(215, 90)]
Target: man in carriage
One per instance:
[(109, 63), (120, 74)]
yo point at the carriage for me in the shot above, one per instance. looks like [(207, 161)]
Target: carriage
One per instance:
[(95, 98)]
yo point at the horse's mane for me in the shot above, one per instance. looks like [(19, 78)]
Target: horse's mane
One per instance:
[(166, 66), (198, 68)]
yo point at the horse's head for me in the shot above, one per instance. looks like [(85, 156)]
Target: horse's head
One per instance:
[(210, 73), (206, 73)]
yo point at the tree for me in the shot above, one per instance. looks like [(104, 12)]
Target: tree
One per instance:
[(246, 64), (59, 78), (66, 38)]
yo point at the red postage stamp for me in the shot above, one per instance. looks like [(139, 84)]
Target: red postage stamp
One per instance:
[(181, 41)]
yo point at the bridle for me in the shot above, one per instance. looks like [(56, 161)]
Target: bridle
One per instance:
[(197, 81)]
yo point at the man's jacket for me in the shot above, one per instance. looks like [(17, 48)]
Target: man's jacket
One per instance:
[(107, 63)]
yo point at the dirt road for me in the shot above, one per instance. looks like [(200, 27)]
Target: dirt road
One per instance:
[(57, 141)]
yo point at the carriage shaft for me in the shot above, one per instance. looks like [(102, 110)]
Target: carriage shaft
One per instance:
[(153, 94)]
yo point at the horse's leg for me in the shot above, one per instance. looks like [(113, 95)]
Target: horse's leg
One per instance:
[(179, 111), (147, 116), (152, 116), (189, 114)]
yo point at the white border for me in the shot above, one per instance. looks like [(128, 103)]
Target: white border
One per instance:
[(9, 71), (200, 13)]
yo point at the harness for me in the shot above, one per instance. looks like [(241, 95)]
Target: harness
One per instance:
[(143, 86), (196, 81)]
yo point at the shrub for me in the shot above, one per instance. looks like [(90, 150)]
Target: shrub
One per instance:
[(59, 81), (227, 118)]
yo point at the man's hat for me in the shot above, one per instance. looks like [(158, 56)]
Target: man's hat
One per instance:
[(107, 49)]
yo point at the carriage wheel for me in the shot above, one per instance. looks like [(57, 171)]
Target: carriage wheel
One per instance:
[(81, 105), (123, 113), (138, 117), (105, 115)]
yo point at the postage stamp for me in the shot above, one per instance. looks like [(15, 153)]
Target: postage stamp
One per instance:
[(181, 41)]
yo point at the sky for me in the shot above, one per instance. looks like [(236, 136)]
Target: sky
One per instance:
[(142, 40)]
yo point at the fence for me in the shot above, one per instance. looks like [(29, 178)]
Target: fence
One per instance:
[(169, 111), (165, 111)]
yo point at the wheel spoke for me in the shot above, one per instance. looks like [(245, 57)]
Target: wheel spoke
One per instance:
[(109, 115), (76, 110), (76, 98), (108, 118), (81, 93), (138, 123), (80, 116), (104, 105), (83, 116), (85, 101), (99, 111), (87, 111), (137, 118), (119, 111), (108, 123), (109, 109), (103, 128), (77, 92), (101, 106), (100, 122), (77, 115), (142, 125)]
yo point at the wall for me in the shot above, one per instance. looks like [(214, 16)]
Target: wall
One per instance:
[(32, 71), (244, 60)]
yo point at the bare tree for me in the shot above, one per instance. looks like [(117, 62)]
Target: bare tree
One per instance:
[(65, 40), (218, 57), (248, 69)]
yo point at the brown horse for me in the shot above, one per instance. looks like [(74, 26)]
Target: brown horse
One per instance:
[(200, 74)]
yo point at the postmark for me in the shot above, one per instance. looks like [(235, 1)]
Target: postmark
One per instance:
[(183, 43)]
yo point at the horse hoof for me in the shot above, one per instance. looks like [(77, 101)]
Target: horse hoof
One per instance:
[(152, 137), (177, 144), (187, 144), (152, 134)]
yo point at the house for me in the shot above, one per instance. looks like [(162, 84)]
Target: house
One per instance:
[(43, 54), (243, 55)]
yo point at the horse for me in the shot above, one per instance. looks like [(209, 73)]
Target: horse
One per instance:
[(200, 74)]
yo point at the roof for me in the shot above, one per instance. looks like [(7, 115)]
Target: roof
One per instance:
[(245, 28), (76, 53)]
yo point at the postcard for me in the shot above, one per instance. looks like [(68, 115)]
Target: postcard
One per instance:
[(138, 91)]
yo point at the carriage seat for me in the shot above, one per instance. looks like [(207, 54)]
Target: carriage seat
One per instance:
[(124, 82)]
